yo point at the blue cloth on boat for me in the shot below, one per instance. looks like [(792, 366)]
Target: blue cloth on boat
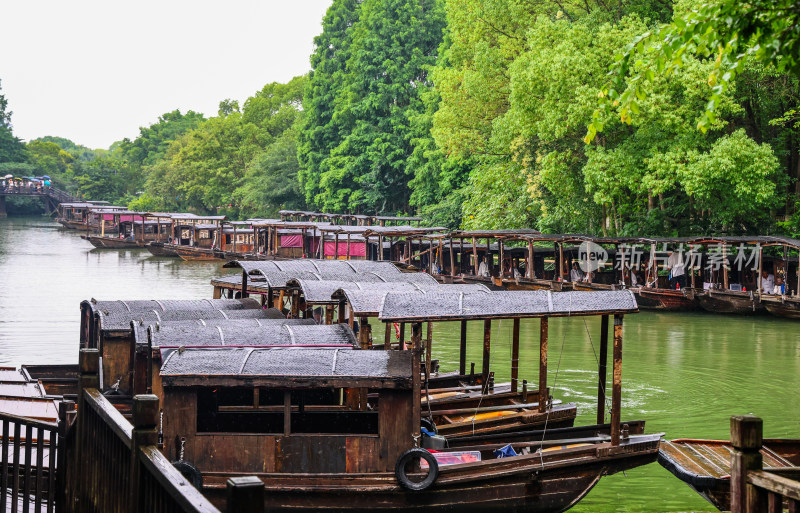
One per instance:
[(426, 432), (505, 452)]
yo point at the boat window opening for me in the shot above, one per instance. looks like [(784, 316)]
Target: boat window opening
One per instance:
[(315, 411), (205, 234)]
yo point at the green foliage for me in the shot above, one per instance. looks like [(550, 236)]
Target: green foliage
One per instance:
[(152, 143), (731, 32), (360, 149)]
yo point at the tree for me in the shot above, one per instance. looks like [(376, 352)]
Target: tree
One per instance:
[(731, 32), (322, 131), (391, 47), (12, 149)]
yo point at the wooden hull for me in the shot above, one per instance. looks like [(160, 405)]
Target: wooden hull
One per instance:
[(666, 299), (548, 482), (724, 301), (788, 307), (111, 242), (160, 249), (72, 225), (192, 254), (705, 464), (582, 285)]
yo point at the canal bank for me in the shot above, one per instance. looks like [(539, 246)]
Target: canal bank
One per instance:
[(684, 373)]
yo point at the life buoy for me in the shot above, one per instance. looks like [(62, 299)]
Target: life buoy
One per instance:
[(406, 458), (190, 472)]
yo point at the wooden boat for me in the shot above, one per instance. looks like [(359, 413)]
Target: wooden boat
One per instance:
[(705, 465), (666, 299), (782, 306), (103, 242), (161, 249), (730, 302), (360, 452)]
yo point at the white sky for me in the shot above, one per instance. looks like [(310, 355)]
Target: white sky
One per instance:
[(94, 71)]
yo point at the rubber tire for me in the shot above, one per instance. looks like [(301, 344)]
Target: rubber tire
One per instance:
[(190, 472), (400, 469), (429, 425)]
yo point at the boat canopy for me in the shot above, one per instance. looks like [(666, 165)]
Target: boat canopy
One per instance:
[(282, 367), (443, 305), (239, 335), (366, 299)]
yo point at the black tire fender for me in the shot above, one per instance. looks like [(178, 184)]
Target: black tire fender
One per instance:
[(408, 456), (429, 425), (190, 472)]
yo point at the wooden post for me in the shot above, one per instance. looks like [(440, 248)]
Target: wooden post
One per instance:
[(245, 494), (759, 281), (487, 344), (340, 313), (560, 261), (387, 337), (244, 283), (441, 256), (416, 339), (65, 410), (529, 270), (402, 334), (145, 432), (616, 391), (428, 350), (328, 314), (725, 267), (501, 274), (515, 355), (602, 371), (746, 439), (88, 377), (543, 364), (363, 332), (462, 357), (453, 260), (474, 255), (335, 245)]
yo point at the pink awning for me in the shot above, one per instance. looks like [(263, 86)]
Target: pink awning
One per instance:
[(357, 249)]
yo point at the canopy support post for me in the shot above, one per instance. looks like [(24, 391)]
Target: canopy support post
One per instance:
[(462, 356), (387, 337), (616, 392), (474, 254), (543, 365), (428, 351), (244, 284), (530, 260), (487, 344), (515, 356), (602, 371), (453, 261), (416, 339)]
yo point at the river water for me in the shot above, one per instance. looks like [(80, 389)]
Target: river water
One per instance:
[(685, 374)]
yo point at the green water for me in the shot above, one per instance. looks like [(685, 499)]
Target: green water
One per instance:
[(685, 374)]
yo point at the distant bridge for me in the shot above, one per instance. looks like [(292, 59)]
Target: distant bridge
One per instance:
[(52, 196)]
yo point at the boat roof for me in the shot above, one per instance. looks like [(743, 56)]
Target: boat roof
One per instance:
[(287, 367), (321, 290), (366, 299), (141, 326), (307, 333), (164, 305), (442, 305), (121, 321)]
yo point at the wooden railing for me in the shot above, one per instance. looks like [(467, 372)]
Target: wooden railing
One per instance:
[(27, 465), (753, 489), (114, 466)]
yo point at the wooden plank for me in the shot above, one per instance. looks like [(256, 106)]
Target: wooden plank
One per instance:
[(616, 391), (784, 486)]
